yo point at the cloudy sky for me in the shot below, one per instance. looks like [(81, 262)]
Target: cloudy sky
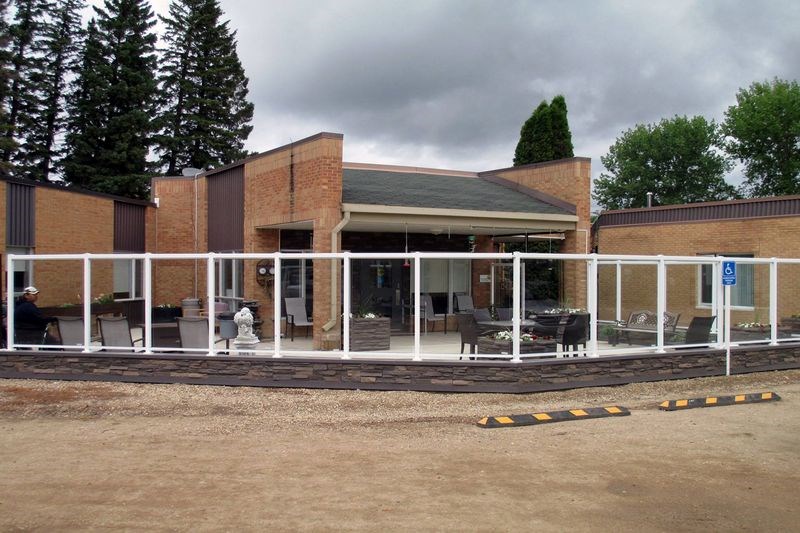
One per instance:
[(448, 83)]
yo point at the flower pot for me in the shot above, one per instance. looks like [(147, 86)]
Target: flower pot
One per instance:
[(165, 314)]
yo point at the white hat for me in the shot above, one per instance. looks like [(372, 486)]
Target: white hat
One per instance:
[(31, 290)]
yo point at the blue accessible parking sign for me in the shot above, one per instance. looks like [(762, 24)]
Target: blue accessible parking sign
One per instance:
[(728, 273)]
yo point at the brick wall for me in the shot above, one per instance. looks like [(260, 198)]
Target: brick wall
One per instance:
[(174, 228), (294, 183), (570, 181), (759, 237)]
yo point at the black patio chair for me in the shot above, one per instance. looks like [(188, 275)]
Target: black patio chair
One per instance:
[(572, 331), (699, 330), (469, 330)]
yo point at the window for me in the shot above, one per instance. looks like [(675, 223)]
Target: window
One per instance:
[(446, 276), (230, 284), (23, 270), (128, 279), (742, 294)]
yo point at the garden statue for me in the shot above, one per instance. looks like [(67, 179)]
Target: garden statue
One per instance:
[(244, 320)]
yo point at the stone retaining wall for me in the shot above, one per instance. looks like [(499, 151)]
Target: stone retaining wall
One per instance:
[(457, 376)]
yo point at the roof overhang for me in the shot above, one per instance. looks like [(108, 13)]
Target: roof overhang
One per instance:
[(384, 218), (398, 219)]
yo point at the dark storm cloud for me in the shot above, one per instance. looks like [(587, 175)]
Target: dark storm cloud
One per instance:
[(449, 83)]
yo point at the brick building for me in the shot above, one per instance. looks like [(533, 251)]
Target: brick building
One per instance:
[(303, 197), (298, 197), (757, 227), (45, 218)]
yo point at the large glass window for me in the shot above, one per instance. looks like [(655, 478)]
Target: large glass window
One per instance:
[(128, 279), (297, 281), (23, 270), (742, 294), (445, 277), (230, 281)]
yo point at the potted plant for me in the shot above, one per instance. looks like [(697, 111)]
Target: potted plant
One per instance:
[(369, 331), (165, 313), (792, 322), (502, 342)]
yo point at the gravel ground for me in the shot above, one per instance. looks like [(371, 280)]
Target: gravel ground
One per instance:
[(97, 456)]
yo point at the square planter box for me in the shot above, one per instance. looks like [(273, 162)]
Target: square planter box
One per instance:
[(165, 314), (488, 345), (369, 334)]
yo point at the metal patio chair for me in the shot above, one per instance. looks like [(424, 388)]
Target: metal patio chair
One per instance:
[(296, 315), (193, 332), (429, 315), (70, 330), (115, 331)]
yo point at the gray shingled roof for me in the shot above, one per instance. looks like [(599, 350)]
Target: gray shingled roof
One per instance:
[(412, 189)]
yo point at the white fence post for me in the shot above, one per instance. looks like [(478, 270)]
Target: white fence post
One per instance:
[(661, 303), (773, 301), (346, 307), (515, 310), (276, 307), (417, 304), (147, 334)]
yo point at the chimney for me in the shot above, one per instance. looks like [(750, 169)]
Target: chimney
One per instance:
[(649, 199)]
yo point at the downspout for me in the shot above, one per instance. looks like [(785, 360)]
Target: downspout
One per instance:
[(334, 285)]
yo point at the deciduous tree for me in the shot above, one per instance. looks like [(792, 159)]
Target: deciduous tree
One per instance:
[(678, 160), (763, 130)]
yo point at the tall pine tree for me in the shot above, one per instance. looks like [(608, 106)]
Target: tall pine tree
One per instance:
[(7, 143), (204, 116), (25, 58), (545, 136), (110, 126), (87, 112), (44, 120)]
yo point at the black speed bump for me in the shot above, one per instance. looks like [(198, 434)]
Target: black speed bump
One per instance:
[(713, 401), (553, 416)]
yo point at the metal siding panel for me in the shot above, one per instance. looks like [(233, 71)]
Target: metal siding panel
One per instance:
[(21, 215), (129, 231), (226, 210)]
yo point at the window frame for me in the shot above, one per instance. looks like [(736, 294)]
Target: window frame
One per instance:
[(734, 290)]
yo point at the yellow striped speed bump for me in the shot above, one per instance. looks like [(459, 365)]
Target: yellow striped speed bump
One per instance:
[(713, 401), (553, 416)]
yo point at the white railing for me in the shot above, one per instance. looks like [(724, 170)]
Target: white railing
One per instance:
[(721, 304)]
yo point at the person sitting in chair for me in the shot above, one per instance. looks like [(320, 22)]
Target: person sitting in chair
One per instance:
[(30, 325)]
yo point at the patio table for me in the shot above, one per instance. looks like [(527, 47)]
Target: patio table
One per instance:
[(165, 334), (507, 324)]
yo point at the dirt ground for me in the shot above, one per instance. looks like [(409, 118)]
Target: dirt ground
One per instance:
[(80, 456)]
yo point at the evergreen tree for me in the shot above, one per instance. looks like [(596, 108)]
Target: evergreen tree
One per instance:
[(204, 116), (7, 143), (87, 112), (108, 146), (562, 137), (24, 31), (545, 136), (39, 127), (534, 139)]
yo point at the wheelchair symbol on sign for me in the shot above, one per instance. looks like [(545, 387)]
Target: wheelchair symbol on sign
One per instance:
[(729, 270)]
